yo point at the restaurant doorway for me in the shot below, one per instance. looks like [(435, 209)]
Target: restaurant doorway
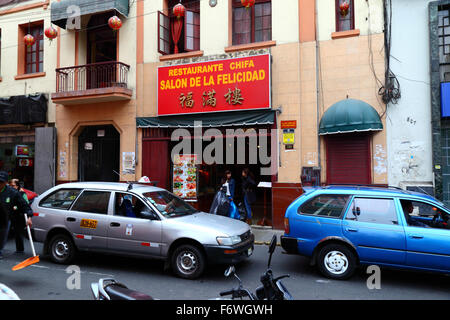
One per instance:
[(99, 154), (245, 148)]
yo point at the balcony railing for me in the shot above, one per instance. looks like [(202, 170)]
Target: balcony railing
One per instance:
[(92, 76)]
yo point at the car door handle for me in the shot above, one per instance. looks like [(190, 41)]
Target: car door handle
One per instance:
[(415, 236), (114, 224), (351, 230), (70, 219)]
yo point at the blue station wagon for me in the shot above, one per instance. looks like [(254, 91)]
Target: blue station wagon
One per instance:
[(341, 227)]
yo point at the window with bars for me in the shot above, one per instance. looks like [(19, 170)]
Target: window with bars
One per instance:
[(252, 24), (345, 19), (444, 42), (189, 36), (34, 58)]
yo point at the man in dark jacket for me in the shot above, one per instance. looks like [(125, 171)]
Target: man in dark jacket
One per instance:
[(10, 198)]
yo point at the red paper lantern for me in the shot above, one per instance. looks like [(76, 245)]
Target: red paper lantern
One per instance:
[(29, 40), (344, 8), (179, 11), (248, 3), (51, 33), (115, 23)]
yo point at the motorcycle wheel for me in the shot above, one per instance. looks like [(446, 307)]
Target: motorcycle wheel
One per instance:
[(188, 262)]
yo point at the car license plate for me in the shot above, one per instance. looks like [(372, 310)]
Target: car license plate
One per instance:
[(249, 252), (88, 223)]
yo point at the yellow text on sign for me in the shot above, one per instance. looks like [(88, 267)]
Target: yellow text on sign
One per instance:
[(88, 223)]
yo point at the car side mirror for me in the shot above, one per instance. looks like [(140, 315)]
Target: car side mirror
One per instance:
[(356, 211), (146, 213)]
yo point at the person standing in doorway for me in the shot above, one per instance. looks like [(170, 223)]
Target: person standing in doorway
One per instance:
[(248, 190), (229, 182), (10, 198), (17, 220)]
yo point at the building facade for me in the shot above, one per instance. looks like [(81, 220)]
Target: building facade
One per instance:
[(321, 59), (409, 125), (27, 116), (287, 89)]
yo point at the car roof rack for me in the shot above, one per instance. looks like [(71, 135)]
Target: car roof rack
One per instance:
[(363, 185)]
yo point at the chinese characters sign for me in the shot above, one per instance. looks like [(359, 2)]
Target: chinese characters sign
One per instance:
[(222, 85)]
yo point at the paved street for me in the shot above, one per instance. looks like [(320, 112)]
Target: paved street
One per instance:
[(47, 281)]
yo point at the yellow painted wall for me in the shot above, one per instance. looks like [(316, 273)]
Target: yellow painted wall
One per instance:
[(9, 47), (346, 70)]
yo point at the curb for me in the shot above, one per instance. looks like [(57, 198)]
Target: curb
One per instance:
[(265, 243)]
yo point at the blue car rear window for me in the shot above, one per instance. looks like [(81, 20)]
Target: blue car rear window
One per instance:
[(325, 205)]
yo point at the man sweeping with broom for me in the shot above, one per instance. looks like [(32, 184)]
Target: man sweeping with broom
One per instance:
[(10, 198)]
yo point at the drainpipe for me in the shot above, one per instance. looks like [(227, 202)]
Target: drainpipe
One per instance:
[(316, 23)]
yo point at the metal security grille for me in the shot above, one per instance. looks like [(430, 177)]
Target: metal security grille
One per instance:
[(444, 62), (348, 159), (445, 143), (444, 42)]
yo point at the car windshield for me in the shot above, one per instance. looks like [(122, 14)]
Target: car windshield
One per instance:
[(168, 204)]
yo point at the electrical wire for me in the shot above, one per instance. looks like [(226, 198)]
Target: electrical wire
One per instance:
[(390, 92)]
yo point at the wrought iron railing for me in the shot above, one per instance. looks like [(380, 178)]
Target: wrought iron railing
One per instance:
[(92, 76)]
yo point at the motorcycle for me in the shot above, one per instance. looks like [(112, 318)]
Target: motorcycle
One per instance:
[(110, 289), (271, 289)]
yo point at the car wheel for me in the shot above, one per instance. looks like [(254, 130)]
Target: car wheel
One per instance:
[(336, 261), (188, 262), (62, 249)]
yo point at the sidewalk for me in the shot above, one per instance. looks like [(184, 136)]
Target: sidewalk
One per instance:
[(263, 235)]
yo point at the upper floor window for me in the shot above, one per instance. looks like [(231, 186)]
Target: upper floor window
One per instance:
[(34, 57), (345, 15), (253, 24), (179, 35)]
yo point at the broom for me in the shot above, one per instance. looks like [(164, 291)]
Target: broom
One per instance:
[(32, 260)]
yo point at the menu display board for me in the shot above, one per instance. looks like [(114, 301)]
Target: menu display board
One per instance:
[(185, 173)]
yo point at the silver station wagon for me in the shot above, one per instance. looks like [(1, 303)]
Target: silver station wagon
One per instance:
[(136, 220)]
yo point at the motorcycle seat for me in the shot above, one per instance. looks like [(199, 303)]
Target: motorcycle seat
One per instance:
[(120, 292)]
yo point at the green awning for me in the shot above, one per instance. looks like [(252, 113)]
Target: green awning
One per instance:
[(61, 11), (215, 119), (350, 115)]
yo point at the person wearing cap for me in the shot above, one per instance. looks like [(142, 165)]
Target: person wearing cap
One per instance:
[(17, 220), (9, 199)]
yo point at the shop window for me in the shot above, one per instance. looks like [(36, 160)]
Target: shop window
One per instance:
[(345, 18), (179, 35), (253, 24)]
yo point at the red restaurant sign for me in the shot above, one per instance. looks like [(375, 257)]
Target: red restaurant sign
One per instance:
[(221, 85)]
